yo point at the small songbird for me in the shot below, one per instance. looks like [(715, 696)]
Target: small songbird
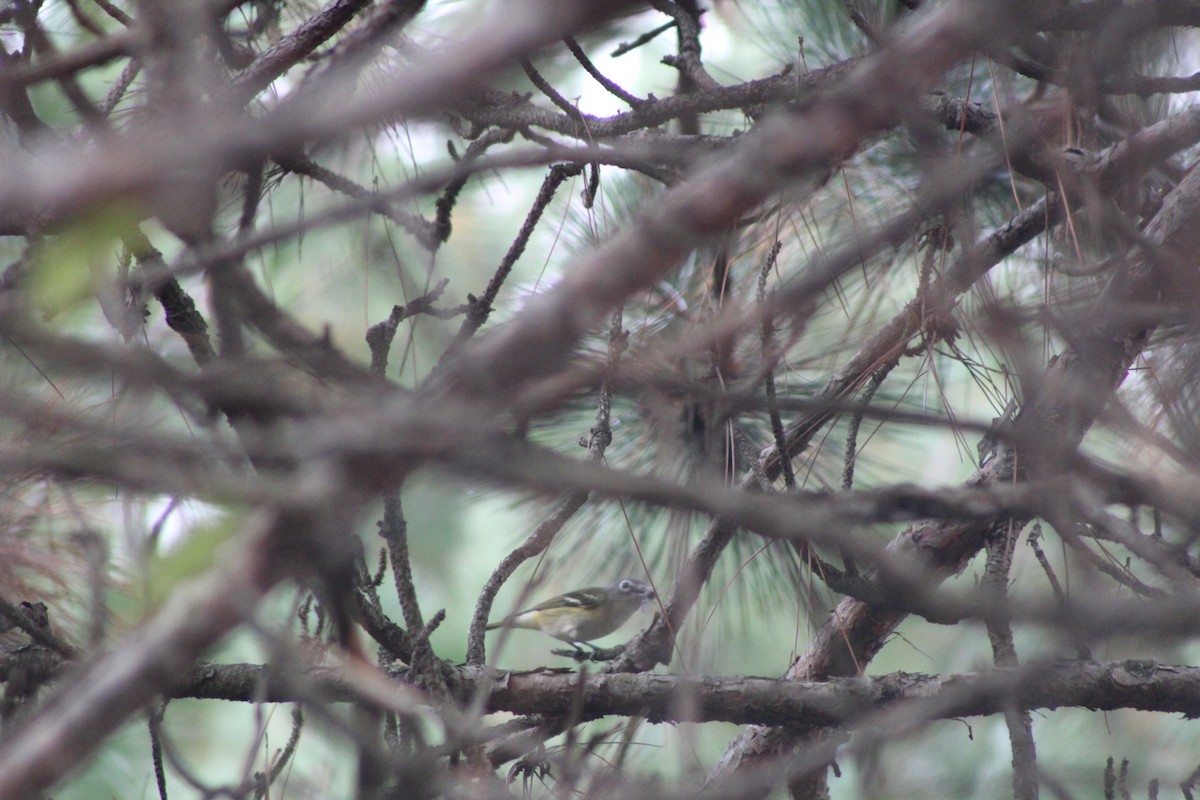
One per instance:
[(580, 616)]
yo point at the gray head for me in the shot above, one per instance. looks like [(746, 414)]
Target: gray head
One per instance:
[(632, 588)]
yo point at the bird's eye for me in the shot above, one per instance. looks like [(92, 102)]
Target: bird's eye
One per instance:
[(625, 585)]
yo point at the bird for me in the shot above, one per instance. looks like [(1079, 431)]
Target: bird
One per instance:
[(578, 617)]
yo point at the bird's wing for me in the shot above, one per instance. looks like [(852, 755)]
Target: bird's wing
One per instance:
[(582, 598)]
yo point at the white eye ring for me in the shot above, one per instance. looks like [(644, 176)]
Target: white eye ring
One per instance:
[(625, 585)]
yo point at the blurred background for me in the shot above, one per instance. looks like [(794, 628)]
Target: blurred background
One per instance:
[(762, 605)]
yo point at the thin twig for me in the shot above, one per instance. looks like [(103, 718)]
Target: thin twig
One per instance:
[(999, 546), (599, 76), (645, 38), (543, 86), (480, 308), (768, 330)]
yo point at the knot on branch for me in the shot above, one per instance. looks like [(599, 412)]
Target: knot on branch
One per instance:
[(477, 311)]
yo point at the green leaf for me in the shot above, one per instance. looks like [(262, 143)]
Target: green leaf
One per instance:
[(194, 555), (68, 265)]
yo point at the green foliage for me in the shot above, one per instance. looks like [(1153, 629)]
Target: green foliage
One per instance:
[(196, 554), (68, 268)]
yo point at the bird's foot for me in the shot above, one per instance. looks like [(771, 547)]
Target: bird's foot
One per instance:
[(575, 652), (607, 653)]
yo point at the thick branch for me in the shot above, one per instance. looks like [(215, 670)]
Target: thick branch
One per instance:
[(1099, 686)]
